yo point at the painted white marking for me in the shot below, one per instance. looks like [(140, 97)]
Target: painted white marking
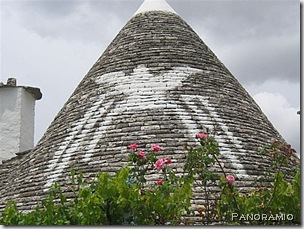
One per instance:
[(224, 146), (140, 90), (143, 89), (69, 146)]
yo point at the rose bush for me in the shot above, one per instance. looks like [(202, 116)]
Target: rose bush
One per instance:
[(124, 199), (277, 192)]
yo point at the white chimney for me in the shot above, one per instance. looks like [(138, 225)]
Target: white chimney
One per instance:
[(17, 111)]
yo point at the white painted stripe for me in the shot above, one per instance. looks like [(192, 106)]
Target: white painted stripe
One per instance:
[(226, 141)]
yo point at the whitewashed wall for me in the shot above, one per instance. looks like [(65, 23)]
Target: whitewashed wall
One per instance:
[(17, 109)]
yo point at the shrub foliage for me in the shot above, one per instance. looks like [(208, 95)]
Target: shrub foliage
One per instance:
[(148, 191)]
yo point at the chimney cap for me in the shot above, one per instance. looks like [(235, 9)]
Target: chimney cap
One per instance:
[(12, 82), (34, 91)]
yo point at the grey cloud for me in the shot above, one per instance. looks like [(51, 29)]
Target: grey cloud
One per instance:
[(123, 8), (48, 8), (86, 21), (236, 20), (256, 40), (273, 58), (284, 117), (290, 90), (224, 21)]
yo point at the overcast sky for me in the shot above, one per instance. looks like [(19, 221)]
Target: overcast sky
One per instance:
[(52, 44)]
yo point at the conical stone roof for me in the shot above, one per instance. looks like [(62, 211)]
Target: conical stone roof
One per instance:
[(157, 82)]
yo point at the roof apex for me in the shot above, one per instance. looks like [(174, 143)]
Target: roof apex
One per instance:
[(154, 5)]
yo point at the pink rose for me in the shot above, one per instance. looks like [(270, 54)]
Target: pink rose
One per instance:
[(168, 161), (141, 154), (155, 147), (201, 135), (159, 182), (133, 146), (230, 179), (160, 163)]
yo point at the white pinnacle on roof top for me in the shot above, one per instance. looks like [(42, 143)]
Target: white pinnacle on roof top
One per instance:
[(151, 5)]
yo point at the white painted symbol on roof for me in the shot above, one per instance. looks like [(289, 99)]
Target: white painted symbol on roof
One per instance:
[(140, 90)]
